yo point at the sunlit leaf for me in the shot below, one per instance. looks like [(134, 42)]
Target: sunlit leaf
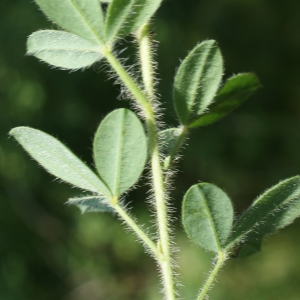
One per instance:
[(120, 150), (91, 204), (197, 81), (207, 216), (273, 210), (62, 49), (58, 160), (233, 93), (126, 16), (82, 17)]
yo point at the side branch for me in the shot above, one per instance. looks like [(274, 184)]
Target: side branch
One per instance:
[(212, 277), (138, 231)]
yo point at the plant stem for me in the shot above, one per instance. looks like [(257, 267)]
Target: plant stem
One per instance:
[(129, 83), (210, 280), (145, 54), (140, 233), (157, 173)]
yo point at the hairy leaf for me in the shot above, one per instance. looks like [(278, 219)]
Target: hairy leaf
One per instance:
[(168, 140), (126, 16), (82, 17), (273, 210), (233, 93), (117, 14), (197, 81), (249, 248), (91, 204), (58, 160), (120, 150), (62, 49), (207, 216)]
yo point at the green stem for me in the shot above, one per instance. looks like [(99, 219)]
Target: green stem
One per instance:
[(161, 209), (210, 280), (140, 233), (146, 63), (157, 173), (129, 83), (145, 54)]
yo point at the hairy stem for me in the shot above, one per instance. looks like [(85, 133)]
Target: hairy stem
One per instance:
[(157, 172), (210, 280), (129, 83), (161, 208), (145, 55), (146, 63), (139, 232)]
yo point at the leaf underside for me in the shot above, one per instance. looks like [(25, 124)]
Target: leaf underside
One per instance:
[(81, 17), (58, 160), (168, 140), (126, 16), (91, 204), (207, 216), (120, 150), (62, 49), (197, 81)]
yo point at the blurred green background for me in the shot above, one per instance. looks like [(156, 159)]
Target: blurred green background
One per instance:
[(49, 251)]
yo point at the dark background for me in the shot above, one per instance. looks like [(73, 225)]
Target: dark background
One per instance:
[(49, 251)]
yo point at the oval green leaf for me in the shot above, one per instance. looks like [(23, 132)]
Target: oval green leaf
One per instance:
[(207, 216), (233, 93), (58, 160), (91, 204), (197, 81), (62, 49), (273, 210), (126, 16), (81, 17), (120, 150)]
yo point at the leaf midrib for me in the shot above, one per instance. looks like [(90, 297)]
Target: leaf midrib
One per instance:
[(211, 221), (119, 158), (120, 23), (89, 25)]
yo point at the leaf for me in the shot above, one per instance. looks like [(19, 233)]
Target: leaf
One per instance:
[(91, 204), (197, 81), (275, 209), (62, 49), (233, 93), (116, 16), (58, 160), (168, 140), (126, 16), (120, 150), (249, 248), (207, 216), (81, 17)]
